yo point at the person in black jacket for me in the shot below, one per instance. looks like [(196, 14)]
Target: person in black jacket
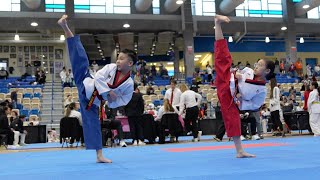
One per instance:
[(4, 124), (134, 111), (18, 130)]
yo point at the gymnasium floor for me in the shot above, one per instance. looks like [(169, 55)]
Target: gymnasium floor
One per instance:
[(289, 158)]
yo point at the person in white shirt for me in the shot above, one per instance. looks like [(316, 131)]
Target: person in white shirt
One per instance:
[(314, 108), (191, 101), (63, 75), (72, 111), (275, 106), (68, 100), (95, 66), (209, 71), (173, 94)]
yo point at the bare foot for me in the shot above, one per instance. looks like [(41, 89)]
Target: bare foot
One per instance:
[(221, 19), (245, 155), (63, 20), (103, 160)]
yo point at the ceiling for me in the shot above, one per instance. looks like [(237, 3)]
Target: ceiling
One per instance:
[(144, 30)]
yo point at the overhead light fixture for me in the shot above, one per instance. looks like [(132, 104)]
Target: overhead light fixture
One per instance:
[(34, 24), (170, 48), (179, 2), (170, 63), (267, 39), (154, 44), (100, 50), (196, 59), (62, 37), (306, 6), (117, 45), (126, 25), (172, 44), (284, 28), (135, 45), (198, 56), (101, 54), (214, 27), (151, 54), (301, 40), (167, 54), (230, 39), (16, 37)]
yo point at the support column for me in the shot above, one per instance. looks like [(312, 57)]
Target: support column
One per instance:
[(114, 56), (290, 34), (176, 63), (187, 28), (70, 8)]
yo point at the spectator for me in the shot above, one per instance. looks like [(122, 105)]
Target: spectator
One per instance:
[(72, 111), (137, 78), (248, 64), (14, 98), (52, 136), (134, 110), (309, 71), (282, 69), (150, 109), (92, 71), (150, 90), (19, 131), (68, 101), (265, 114), (291, 70), (71, 77), (42, 77), (314, 108), (4, 124), (164, 73), (173, 94), (306, 97), (275, 106), (317, 70), (95, 66), (286, 105), (209, 71), (63, 75), (314, 78), (151, 79), (292, 90), (28, 70), (153, 70), (277, 66), (3, 73), (194, 86), (299, 68)]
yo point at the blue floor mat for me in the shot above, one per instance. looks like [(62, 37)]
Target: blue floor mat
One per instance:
[(298, 158)]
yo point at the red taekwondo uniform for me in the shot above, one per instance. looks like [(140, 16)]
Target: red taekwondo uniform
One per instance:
[(252, 92)]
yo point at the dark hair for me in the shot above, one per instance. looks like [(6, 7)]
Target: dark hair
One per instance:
[(173, 81), (270, 65), (21, 116), (135, 86), (316, 85), (131, 54), (273, 84)]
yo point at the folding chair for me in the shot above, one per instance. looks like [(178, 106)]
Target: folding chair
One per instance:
[(69, 128)]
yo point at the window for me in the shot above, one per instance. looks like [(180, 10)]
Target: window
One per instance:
[(260, 8), (55, 6), (102, 6), (203, 7), (156, 6), (314, 13), (10, 5)]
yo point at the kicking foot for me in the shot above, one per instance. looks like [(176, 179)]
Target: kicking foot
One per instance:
[(221, 19), (245, 155), (63, 20), (103, 160)]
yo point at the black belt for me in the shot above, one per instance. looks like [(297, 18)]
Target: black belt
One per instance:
[(192, 107)]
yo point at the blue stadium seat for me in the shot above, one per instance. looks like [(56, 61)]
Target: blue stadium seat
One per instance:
[(285, 93), (27, 95), (34, 112), (37, 95), (156, 103), (19, 106), (24, 112)]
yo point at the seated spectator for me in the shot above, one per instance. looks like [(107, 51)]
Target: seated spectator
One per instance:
[(150, 90), (68, 101), (194, 86), (18, 130), (292, 90), (164, 73), (286, 105), (293, 100), (42, 77), (72, 111), (52, 136), (150, 110), (112, 124), (153, 70), (63, 75), (151, 79), (71, 77), (14, 98), (137, 78), (4, 123), (317, 70), (14, 116)]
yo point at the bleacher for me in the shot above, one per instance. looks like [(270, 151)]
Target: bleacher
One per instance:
[(28, 96)]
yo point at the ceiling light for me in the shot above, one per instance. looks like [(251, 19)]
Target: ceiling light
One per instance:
[(306, 6), (179, 2), (170, 63), (16, 37), (196, 59), (117, 45), (136, 45), (126, 25), (267, 39), (170, 48), (154, 44), (230, 39), (214, 27), (198, 56), (167, 54), (151, 54), (301, 40), (172, 44), (152, 48), (101, 54), (103, 59), (34, 24), (100, 50), (62, 37), (98, 46), (284, 28)]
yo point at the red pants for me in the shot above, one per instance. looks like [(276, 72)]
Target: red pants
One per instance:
[(230, 112)]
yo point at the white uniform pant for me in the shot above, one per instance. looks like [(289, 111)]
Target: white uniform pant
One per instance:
[(315, 123), (17, 134)]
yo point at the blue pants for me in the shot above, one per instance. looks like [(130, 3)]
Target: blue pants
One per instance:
[(90, 118)]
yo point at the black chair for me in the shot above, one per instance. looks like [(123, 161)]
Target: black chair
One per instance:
[(3, 140), (69, 129), (170, 121), (149, 127), (303, 121)]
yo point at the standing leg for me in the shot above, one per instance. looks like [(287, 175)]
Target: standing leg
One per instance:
[(16, 137), (139, 130), (229, 110), (80, 65), (132, 122), (22, 138)]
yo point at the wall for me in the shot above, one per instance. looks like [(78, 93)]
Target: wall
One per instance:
[(18, 59)]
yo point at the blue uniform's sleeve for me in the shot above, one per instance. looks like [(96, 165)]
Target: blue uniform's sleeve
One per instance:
[(78, 58)]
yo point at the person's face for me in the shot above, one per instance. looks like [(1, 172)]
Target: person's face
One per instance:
[(311, 87), (124, 63), (77, 106), (173, 85), (8, 111), (260, 68), (69, 97)]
